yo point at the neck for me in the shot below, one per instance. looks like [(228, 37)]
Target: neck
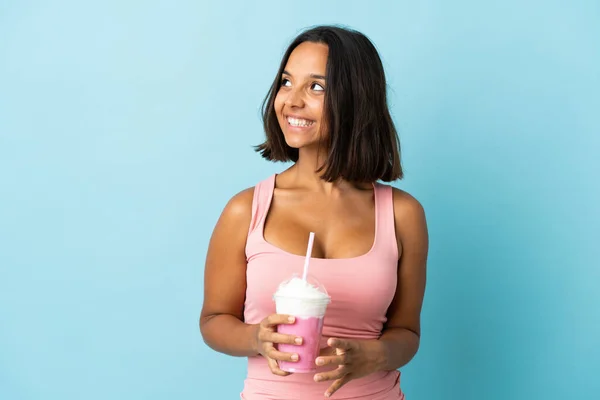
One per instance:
[(304, 172)]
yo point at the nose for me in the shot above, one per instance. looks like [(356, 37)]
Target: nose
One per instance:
[(295, 98)]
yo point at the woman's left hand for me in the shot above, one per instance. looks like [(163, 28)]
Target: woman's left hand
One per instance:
[(354, 358)]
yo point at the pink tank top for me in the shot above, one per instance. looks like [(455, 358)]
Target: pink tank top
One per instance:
[(361, 290)]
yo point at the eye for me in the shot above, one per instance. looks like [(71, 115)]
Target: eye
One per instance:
[(284, 82), (318, 86)]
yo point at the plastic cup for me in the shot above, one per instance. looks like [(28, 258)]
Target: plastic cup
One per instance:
[(309, 312)]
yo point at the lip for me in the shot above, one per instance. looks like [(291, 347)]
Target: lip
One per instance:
[(298, 128), (297, 117)]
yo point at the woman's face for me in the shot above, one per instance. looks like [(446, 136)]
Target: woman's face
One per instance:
[(299, 102)]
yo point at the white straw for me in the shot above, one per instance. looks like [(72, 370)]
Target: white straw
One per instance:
[(311, 240)]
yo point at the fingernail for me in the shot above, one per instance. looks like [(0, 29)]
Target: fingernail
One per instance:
[(291, 319), (294, 357), (319, 361), (327, 394), (317, 378), (298, 340)]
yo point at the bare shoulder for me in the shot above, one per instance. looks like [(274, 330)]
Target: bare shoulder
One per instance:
[(235, 218), (230, 232), (410, 220), (406, 206), (240, 205)]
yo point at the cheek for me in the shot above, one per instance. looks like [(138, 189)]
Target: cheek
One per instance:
[(278, 103), (317, 107), (318, 113), (323, 124)]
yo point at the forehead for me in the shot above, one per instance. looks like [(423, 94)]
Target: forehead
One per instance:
[(308, 58)]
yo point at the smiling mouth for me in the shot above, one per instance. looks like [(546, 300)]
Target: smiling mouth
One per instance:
[(299, 122)]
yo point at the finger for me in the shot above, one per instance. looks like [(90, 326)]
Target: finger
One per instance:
[(337, 360), (335, 386), (327, 351), (284, 339), (281, 356), (275, 368), (278, 319), (331, 375), (265, 335), (341, 343)]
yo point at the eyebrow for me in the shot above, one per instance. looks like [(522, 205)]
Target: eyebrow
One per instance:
[(314, 76)]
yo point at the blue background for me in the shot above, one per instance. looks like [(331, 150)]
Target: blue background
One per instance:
[(125, 126)]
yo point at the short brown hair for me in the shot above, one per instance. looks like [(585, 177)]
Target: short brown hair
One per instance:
[(362, 144)]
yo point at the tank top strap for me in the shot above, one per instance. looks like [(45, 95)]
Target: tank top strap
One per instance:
[(386, 225), (263, 192)]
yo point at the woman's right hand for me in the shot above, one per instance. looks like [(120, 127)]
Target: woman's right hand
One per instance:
[(266, 337)]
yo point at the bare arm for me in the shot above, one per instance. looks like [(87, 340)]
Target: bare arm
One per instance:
[(221, 319), (400, 339)]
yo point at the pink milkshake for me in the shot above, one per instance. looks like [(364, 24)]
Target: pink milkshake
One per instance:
[(306, 300), (309, 329)]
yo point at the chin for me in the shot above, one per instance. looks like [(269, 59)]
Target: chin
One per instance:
[(295, 144), (297, 141), (298, 144)]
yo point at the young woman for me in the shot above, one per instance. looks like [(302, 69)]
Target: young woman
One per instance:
[(327, 112)]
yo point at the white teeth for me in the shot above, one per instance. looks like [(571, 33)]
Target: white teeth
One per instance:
[(299, 122)]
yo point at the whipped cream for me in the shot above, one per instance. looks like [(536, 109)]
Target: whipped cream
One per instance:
[(299, 298), (296, 287)]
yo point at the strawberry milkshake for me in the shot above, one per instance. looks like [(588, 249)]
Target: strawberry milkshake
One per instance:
[(307, 301)]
